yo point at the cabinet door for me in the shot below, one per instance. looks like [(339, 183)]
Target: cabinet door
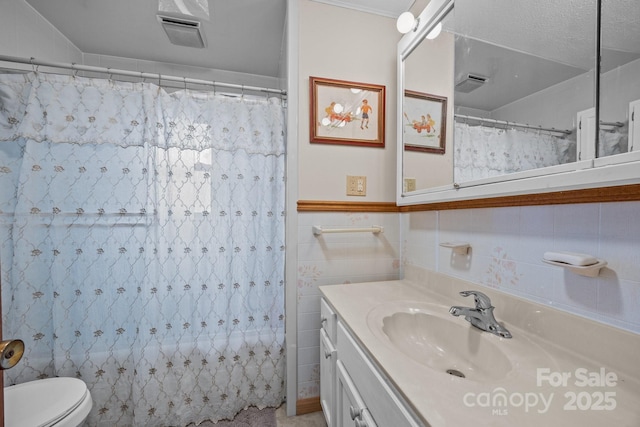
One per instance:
[(634, 125), (587, 134), (350, 408), (328, 357)]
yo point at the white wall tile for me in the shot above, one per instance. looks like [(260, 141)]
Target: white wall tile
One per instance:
[(507, 245), (580, 219), (620, 220)]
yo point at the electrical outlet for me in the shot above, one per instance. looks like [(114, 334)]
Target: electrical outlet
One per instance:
[(409, 184), (356, 185)]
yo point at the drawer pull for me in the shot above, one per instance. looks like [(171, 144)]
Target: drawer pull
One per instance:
[(361, 423), (323, 320), (355, 412), (327, 354)]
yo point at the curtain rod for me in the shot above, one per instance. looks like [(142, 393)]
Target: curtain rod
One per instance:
[(140, 74), (504, 122)]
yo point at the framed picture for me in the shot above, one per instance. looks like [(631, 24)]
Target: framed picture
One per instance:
[(424, 122), (346, 113)]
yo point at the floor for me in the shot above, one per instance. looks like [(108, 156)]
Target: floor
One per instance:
[(315, 419)]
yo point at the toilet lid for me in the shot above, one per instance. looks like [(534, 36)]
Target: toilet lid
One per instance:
[(42, 402)]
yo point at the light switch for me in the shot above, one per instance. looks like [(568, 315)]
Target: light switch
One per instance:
[(356, 185)]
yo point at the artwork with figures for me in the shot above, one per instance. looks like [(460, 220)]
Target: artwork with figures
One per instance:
[(346, 113), (425, 122)]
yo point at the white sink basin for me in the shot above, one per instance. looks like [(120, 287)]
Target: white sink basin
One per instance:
[(447, 345), (429, 335)]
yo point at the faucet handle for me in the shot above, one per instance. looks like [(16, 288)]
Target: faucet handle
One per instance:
[(482, 301)]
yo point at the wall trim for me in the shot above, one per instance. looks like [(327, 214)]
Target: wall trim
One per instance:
[(308, 406), (344, 206), (622, 193)]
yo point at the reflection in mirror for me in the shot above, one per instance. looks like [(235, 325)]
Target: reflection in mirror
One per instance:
[(620, 77), (427, 127), (524, 74)]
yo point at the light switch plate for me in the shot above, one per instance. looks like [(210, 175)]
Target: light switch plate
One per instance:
[(356, 185), (409, 184)]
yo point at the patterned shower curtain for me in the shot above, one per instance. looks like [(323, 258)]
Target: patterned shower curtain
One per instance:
[(484, 152), (142, 245)]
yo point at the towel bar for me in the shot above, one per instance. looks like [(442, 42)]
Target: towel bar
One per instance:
[(375, 229)]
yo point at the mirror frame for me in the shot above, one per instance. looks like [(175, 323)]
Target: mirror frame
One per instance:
[(613, 178)]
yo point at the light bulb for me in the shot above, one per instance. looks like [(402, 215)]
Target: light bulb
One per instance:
[(435, 32), (405, 22)]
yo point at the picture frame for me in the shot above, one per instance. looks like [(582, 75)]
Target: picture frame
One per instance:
[(346, 113), (424, 122)]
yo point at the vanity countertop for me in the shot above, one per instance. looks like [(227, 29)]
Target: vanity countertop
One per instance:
[(578, 372)]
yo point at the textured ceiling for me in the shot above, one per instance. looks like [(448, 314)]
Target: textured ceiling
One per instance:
[(243, 36), (390, 8), (562, 31), (523, 50)]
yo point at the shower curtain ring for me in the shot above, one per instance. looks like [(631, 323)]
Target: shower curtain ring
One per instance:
[(74, 69), (185, 82), (33, 67)]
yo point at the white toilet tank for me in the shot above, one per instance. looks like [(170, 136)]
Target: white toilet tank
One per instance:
[(65, 402)]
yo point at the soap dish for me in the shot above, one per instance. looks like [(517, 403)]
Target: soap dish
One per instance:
[(592, 270), (461, 248)]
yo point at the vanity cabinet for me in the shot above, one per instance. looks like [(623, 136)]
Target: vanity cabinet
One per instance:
[(328, 355), (378, 399), (353, 389)]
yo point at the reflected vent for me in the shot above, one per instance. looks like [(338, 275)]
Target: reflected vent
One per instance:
[(182, 32), (470, 83)]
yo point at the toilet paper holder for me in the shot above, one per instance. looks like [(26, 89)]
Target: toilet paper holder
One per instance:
[(11, 352)]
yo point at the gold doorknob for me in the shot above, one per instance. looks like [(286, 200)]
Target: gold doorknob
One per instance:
[(10, 353)]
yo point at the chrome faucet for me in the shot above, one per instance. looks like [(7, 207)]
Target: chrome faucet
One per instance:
[(482, 316)]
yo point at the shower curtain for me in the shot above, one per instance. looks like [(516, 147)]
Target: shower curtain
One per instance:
[(483, 152), (142, 245)]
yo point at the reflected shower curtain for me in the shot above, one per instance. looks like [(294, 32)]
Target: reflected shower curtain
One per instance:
[(142, 245), (484, 152)]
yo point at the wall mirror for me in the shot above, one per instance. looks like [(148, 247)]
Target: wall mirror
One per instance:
[(523, 97), (619, 78)]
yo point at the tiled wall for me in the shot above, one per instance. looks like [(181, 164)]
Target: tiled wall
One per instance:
[(335, 259), (508, 245)]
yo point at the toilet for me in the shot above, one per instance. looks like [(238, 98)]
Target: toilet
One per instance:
[(59, 402)]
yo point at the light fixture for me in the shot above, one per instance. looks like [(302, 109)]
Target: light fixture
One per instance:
[(435, 32), (407, 22)]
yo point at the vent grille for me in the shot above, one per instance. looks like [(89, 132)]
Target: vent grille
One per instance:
[(182, 32), (470, 83)]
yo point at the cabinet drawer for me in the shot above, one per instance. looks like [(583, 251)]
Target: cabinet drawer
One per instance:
[(328, 320), (382, 401), (352, 410)]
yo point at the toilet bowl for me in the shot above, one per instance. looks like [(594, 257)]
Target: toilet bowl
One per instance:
[(59, 402)]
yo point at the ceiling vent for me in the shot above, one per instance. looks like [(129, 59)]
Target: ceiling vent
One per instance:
[(182, 32), (470, 83)]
